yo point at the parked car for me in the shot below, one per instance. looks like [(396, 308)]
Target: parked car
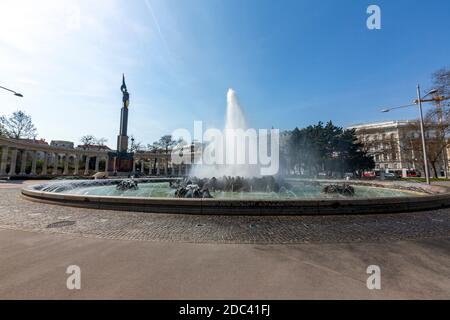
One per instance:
[(390, 175), (369, 174), (413, 173)]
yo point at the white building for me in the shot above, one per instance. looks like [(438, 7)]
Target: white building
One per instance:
[(394, 145), (62, 144)]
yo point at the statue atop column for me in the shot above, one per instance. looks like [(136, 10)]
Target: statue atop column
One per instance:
[(126, 95), (121, 160), (122, 139)]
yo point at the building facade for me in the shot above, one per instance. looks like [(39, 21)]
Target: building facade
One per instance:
[(25, 158), (395, 146), (62, 144)]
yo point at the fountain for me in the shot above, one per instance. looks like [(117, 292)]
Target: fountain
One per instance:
[(235, 188), (235, 121)]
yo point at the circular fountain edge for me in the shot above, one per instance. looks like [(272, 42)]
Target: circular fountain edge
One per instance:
[(437, 197)]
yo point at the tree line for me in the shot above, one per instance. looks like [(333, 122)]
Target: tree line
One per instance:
[(324, 149)]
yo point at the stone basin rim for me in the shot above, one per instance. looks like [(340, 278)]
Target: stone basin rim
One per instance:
[(438, 197)]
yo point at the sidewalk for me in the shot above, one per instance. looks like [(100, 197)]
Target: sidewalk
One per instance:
[(34, 267)]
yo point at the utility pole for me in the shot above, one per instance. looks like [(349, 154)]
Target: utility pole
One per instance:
[(425, 157)]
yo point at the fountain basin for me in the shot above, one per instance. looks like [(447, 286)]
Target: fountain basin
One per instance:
[(415, 197)]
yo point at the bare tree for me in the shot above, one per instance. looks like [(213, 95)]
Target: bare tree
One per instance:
[(18, 126), (153, 147), (441, 81), (439, 117), (101, 141), (88, 140), (436, 127), (437, 132), (165, 143), (135, 145)]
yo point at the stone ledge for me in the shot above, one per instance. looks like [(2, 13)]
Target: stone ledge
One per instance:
[(437, 197)]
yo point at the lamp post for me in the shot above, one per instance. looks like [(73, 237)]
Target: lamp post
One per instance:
[(425, 157), (132, 145), (422, 131), (15, 93)]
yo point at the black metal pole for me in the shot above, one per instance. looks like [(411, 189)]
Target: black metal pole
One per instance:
[(15, 93)]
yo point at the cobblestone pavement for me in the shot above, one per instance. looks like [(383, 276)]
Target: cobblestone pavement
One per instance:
[(17, 213)]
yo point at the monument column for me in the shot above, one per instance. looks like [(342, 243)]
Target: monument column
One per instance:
[(157, 167), (86, 166), (23, 162), (12, 167), (55, 164), (97, 163), (66, 164), (134, 165), (44, 164), (76, 165), (122, 139), (123, 160), (33, 163), (4, 160), (106, 164)]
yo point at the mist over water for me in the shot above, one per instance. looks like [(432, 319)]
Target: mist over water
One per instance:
[(235, 122), (235, 116)]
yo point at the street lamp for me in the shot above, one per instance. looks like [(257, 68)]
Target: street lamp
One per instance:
[(400, 107), (419, 102), (132, 144), (15, 93), (431, 92), (425, 158)]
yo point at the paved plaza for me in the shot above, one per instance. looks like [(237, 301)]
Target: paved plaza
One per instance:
[(142, 255)]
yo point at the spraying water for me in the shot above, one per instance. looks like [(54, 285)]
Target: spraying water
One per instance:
[(235, 121), (235, 115)]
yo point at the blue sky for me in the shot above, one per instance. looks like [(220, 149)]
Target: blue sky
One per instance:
[(292, 63)]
